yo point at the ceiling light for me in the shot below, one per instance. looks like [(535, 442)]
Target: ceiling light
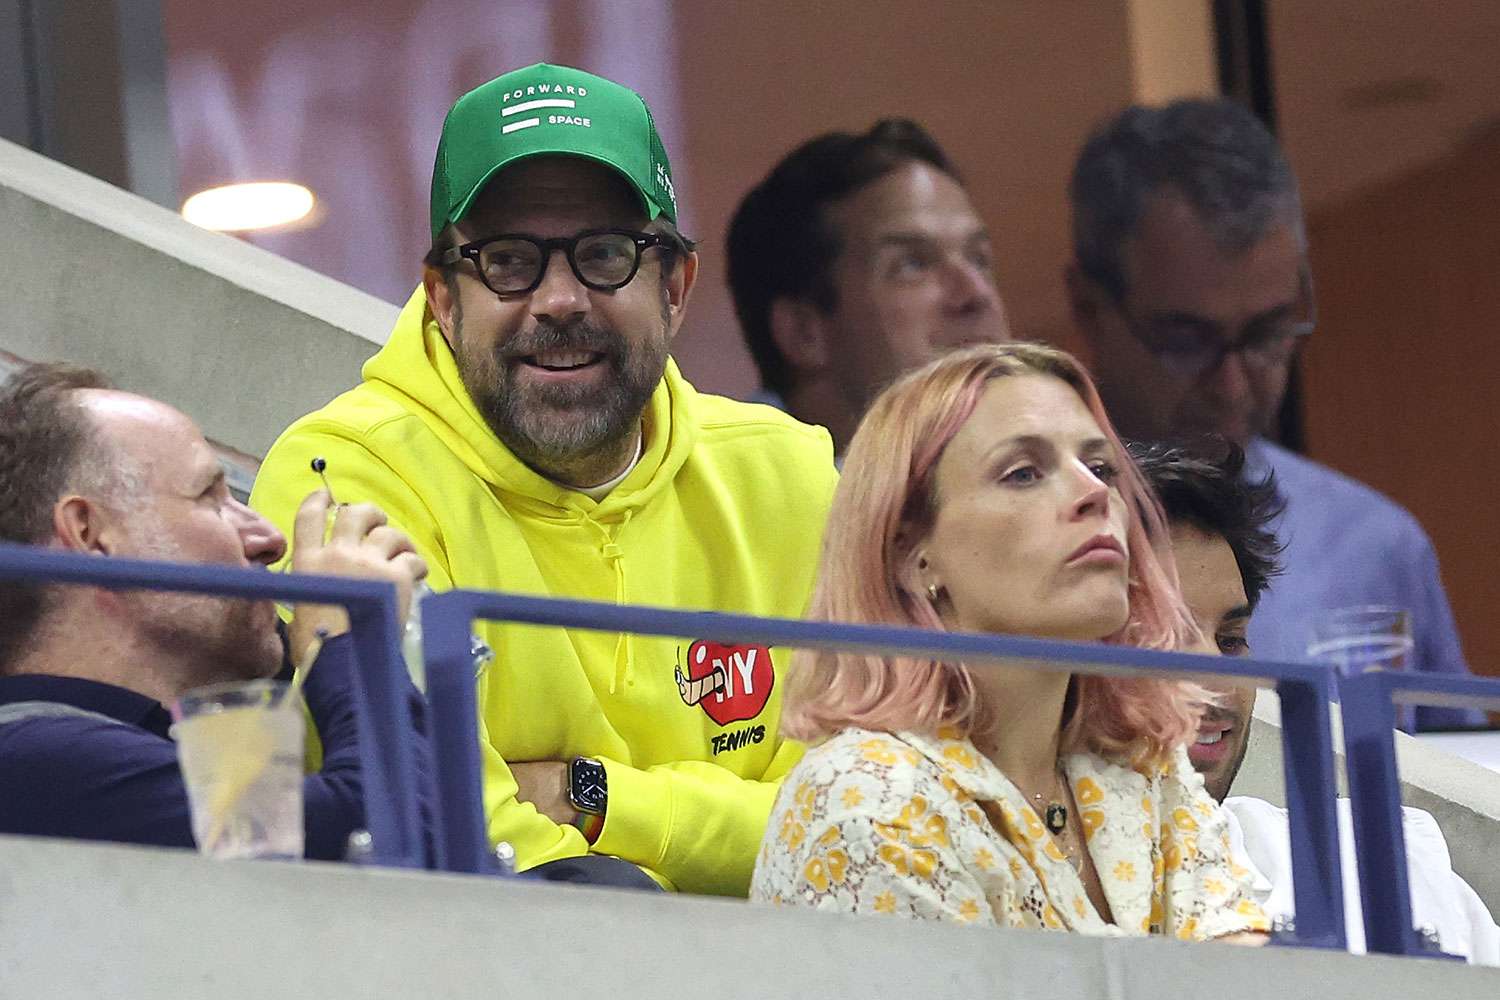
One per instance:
[(241, 207)]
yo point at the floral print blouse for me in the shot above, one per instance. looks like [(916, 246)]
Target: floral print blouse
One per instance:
[(902, 823)]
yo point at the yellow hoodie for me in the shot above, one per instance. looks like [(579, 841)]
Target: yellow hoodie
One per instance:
[(724, 511)]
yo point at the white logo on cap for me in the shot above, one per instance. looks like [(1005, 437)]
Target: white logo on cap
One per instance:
[(516, 109), (542, 102), (544, 88), (664, 181)]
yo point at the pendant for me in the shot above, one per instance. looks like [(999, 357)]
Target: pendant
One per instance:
[(1056, 817)]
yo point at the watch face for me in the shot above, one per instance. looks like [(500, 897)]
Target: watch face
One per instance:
[(587, 787)]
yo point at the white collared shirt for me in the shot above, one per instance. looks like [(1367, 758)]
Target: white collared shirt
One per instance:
[(1439, 898)]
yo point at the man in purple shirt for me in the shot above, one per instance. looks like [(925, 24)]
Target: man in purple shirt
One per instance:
[(85, 672), (1190, 284)]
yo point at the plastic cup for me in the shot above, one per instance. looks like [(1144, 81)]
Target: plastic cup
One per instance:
[(1358, 640), (240, 746)]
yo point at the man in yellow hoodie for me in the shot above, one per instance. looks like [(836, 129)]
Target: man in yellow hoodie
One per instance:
[(525, 426)]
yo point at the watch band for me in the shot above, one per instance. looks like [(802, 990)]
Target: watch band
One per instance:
[(590, 826)]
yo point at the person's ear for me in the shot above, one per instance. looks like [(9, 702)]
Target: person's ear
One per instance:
[(440, 299), (916, 573), (800, 332), (1085, 297), (83, 525), (678, 287)]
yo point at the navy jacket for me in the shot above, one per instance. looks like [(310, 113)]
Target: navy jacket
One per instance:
[(116, 778)]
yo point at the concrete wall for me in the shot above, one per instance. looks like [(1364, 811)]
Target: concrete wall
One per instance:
[(88, 920), (1463, 797), (240, 339)]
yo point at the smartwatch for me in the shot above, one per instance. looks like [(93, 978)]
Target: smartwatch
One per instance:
[(588, 790)]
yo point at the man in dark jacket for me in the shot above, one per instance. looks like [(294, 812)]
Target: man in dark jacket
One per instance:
[(86, 674)]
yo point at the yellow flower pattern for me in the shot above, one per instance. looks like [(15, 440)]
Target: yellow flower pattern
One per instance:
[(878, 751), (824, 870), (792, 832), (905, 861), (927, 827), (960, 755), (1183, 820), (1087, 792)]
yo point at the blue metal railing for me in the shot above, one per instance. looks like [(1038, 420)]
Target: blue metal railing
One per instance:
[(1305, 691), (458, 825), (391, 804), (1369, 719)]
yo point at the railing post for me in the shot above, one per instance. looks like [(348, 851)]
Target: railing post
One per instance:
[(446, 623), (1307, 752), (392, 808), (1375, 802)]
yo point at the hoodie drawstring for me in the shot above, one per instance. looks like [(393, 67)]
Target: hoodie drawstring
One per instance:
[(612, 553)]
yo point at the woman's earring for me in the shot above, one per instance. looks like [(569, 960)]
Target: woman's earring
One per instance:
[(932, 592)]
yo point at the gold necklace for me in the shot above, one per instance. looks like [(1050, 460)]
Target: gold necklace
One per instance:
[(1054, 815)]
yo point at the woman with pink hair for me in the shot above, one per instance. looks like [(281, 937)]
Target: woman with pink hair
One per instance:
[(987, 492)]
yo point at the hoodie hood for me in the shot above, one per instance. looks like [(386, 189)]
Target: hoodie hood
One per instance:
[(417, 368)]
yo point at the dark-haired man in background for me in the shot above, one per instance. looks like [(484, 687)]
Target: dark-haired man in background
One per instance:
[(1226, 555), (858, 258), (1191, 285)]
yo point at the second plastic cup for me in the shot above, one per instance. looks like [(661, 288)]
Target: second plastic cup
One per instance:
[(1357, 640)]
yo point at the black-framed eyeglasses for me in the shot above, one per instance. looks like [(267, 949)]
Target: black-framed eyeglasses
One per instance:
[(515, 263), (1191, 347)]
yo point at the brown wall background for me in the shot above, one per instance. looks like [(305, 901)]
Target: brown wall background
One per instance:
[(1405, 230), (1009, 89), (352, 105), (1402, 375)]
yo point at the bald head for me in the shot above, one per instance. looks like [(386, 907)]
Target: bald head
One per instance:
[(164, 477), (139, 444)]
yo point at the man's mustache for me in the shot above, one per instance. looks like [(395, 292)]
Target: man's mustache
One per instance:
[(1216, 715), (570, 337)]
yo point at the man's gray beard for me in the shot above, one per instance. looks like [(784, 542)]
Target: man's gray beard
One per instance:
[(228, 638), (553, 427)]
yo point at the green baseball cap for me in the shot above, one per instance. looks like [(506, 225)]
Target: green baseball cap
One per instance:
[(547, 110)]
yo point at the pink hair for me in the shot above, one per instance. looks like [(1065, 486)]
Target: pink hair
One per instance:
[(884, 507)]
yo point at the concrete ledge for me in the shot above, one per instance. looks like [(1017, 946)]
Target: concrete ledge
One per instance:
[(89, 920), (242, 340), (1463, 797)]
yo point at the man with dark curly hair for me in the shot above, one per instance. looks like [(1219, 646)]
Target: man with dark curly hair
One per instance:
[(1227, 556)]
